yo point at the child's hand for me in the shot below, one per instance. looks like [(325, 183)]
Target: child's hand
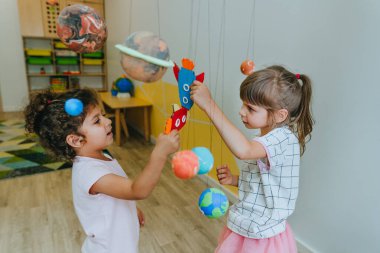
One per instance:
[(224, 175), (140, 216), (200, 94), (167, 144)]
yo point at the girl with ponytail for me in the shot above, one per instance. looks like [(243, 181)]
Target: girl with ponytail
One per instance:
[(277, 102)]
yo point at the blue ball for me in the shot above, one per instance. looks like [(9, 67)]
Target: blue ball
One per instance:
[(213, 203), (205, 158), (124, 85), (73, 107)]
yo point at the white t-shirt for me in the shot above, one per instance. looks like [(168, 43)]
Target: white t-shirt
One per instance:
[(267, 195), (111, 224)]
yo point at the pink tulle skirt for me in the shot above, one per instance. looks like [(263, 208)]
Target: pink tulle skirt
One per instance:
[(230, 242)]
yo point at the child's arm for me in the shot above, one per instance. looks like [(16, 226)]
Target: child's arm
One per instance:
[(141, 187), (239, 145)]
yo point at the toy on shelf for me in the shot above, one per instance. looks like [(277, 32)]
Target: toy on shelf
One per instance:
[(74, 82), (122, 87), (58, 83)]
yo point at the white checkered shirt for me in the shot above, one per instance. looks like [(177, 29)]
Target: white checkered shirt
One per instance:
[(268, 194)]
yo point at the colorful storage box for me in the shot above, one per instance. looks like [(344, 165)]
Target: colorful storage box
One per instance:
[(67, 61), (65, 53), (39, 60), (92, 62), (59, 44), (38, 52), (96, 55), (58, 83)]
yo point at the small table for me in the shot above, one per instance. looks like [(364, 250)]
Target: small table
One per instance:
[(116, 103)]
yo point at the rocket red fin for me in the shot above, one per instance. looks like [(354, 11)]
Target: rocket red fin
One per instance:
[(200, 77), (176, 71)]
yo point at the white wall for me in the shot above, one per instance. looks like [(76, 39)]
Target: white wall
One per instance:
[(337, 43), (13, 85)]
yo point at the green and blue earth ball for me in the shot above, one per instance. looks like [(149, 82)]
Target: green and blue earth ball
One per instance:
[(213, 203)]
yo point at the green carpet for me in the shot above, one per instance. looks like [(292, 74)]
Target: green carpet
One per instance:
[(21, 154)]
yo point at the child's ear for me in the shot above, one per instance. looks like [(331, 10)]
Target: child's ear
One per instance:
[(281, 115), (74, 140)]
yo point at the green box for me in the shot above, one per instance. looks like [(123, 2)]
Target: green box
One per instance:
[(97, 55), (66, 61), (39, 60)]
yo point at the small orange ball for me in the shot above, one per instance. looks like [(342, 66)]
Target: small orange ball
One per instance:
[(185, 164), (247, 67), (52, 2)]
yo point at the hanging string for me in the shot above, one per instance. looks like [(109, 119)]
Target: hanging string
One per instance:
[(195, 60), (209, 80), (196, 32), (164, 102), (251, 30), (189, 50), (189, 53), (219, 59), (209, 64), (130, 16), (223, 78), (192, 53), (158, 18), (221, 44)]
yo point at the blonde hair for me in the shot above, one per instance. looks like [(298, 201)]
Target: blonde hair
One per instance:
[(276, 88)]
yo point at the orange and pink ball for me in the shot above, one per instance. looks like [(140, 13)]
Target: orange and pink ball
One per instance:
[(188, 163), (185, 164)]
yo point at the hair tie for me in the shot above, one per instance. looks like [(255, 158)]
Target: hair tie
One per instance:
[(298, 76)]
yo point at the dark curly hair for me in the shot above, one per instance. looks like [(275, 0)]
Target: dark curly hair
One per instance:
[(45, 115)]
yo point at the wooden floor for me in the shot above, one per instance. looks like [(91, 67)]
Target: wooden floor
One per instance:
[(37, 215)]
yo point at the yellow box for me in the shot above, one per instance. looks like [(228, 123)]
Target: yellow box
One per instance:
[(92, 61), (38, 52), (59, 44)]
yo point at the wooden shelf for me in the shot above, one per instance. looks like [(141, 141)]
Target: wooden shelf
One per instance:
[(94, 76), (38, 28), (57, 74), (42, 90)]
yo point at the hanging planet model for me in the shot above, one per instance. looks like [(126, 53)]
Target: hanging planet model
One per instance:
[(247, 67), (144, 56), (81, 29)]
